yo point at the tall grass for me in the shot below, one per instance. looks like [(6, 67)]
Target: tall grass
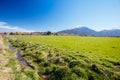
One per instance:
[(72, 57)]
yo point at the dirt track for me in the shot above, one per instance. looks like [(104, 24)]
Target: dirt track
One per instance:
[(1, 45), (5, 73)]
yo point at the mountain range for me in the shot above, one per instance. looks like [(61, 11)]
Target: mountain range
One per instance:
[(89, 32)]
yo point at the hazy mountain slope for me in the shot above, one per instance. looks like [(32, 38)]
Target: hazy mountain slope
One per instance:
[(87, 31), (79, 31), (115, 32)]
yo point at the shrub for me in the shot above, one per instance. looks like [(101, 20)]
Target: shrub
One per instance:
[(73, 63), (80, 72), (32, 74), (116, 76), (60, 73), (58, 60), (95, 68)]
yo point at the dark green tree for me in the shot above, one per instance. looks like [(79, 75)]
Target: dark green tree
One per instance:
[(49, 33)]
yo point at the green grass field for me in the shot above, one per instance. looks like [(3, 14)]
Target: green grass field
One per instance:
[(92, 46), (83, 58)]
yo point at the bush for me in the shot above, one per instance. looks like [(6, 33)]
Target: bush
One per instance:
[(32, 74), (60, 73), (48, 70), (80, 72), (58, 60), (73, 63), (95, 68)]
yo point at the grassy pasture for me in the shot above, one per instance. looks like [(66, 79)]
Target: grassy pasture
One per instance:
[(92, 46), (73, 57)]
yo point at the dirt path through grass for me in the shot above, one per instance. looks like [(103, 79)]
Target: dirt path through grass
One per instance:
[(5, 72)]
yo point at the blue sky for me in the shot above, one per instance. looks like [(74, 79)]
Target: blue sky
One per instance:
[(56, 15)]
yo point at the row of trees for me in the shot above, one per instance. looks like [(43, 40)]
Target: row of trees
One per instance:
[(30, 33)]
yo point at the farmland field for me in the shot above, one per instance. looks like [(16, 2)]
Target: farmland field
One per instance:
[(92, 46), (72, 57)]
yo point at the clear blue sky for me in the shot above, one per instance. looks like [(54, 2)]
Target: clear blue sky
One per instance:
[(56, 15)]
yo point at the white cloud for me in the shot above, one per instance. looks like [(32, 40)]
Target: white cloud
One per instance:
[(4, 25)]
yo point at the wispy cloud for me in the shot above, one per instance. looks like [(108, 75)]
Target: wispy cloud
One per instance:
[(4, 25)]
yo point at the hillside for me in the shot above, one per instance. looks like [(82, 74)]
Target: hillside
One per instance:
[(90, 32)]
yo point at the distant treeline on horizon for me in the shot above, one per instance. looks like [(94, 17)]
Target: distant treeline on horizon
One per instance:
[(48, 33)]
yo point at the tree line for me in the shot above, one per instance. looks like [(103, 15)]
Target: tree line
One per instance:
[(29, 33)]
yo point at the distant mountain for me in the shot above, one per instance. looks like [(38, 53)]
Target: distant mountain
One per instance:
[(115, 32), (89, 32), (79, 31)]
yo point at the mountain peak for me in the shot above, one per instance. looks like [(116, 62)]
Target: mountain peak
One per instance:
[(79, 31), (84, 27)]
